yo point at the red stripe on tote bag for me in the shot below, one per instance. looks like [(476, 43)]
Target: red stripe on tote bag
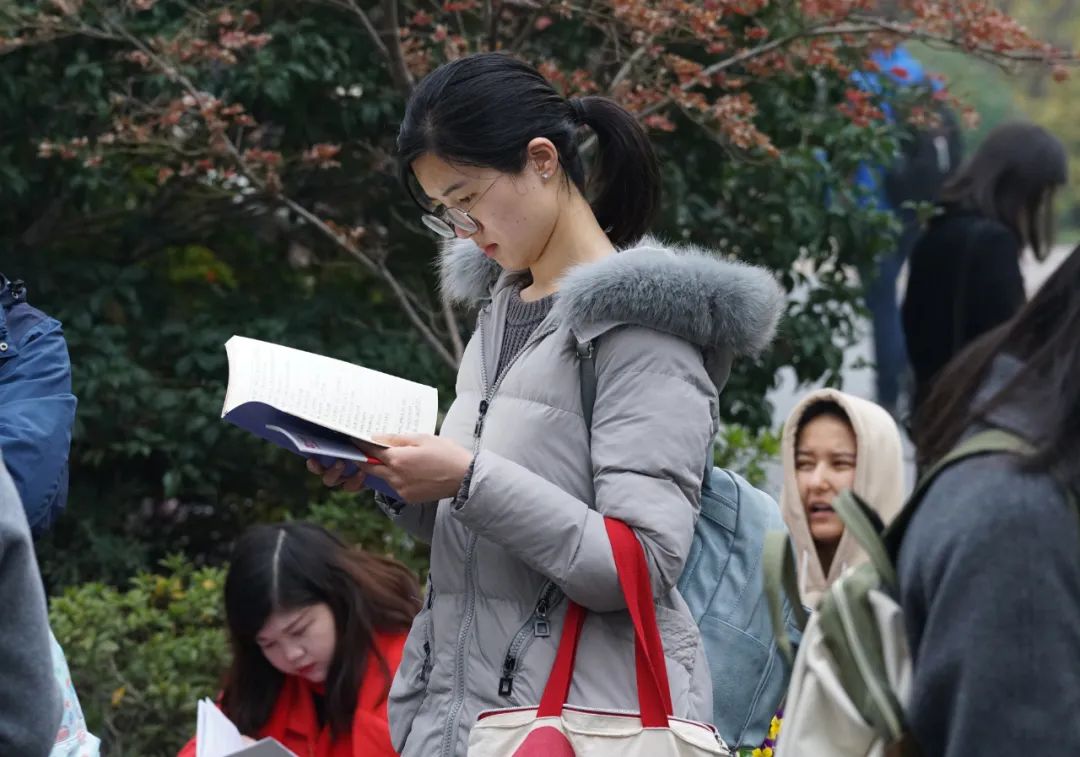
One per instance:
[(654, 692)]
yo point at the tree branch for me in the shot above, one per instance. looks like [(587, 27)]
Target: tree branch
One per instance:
[(365, 21), (399, 69), (523, 33), (386, 42), (860, 26), (380, 269), (871, 24), (375, 266), (491, 24), (624, 71), (452, 327)]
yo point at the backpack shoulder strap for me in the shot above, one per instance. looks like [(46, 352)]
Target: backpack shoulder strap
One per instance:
[(587, 373), (988, 442), (586, 355), (865, 527), (781, 582)]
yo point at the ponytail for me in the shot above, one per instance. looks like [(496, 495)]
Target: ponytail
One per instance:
[(625, 185), (484, 109)]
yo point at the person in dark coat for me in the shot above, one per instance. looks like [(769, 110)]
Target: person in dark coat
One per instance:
[(989, 567), (964, 276)]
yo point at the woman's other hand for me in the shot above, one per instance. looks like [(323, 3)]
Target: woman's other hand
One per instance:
[(334, 475)]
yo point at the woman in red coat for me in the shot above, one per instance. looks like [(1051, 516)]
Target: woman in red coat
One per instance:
[(316, 629)]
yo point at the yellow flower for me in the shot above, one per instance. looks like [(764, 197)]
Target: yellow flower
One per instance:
[(118, 696), (774, 728)]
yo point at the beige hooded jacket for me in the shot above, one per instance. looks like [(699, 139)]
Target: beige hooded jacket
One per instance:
[(879, 480)]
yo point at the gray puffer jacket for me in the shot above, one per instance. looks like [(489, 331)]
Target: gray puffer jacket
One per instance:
[(664, 324)]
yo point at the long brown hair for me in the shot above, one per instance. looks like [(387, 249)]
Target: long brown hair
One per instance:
[(1011, 179), (1045, 338), (288, 566)]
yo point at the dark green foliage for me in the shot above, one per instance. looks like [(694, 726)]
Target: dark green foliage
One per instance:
[(141, 657), (151, 277)]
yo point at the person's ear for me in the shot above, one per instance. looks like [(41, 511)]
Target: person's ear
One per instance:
[(542, 157)]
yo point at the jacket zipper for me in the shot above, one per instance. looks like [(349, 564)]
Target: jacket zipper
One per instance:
[(425, 668), (536, 627), (454, 713)]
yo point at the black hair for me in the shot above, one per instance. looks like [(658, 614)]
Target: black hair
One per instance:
[(483, 110), (1010, 178), (818, 409), (1045, 337), (294, 565)]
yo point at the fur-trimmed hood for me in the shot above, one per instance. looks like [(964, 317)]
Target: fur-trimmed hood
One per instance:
[(714, 303)]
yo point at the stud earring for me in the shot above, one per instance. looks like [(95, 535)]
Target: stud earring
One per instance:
[(545, 176)]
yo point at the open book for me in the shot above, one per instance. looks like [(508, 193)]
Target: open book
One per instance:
[(311, 404), (217, 736)]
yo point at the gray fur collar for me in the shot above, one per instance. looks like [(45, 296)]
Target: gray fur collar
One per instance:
[(682, 290)]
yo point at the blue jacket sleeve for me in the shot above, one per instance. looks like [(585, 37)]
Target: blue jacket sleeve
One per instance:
[(37, 410)]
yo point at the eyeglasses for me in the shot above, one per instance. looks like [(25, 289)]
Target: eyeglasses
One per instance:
[(444, 222)]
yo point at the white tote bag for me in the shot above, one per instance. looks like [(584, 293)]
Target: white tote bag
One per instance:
[(555, 729)]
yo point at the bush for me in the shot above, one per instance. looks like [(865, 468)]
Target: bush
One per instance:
[(357, 519), (747, 452), (141, 659)]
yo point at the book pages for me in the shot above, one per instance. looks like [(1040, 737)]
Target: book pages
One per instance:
[(215, 734), (336, 395)]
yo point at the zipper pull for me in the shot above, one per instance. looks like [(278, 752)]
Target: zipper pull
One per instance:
[(506, 683), (479, 429), (541, 626)]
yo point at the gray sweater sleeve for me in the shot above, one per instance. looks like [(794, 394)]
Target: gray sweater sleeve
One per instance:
[(990, 585), (30, 704)]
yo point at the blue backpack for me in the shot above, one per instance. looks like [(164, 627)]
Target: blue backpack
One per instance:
[(723, 585)]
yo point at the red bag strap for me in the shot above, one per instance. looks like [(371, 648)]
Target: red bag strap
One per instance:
[(634, 578), (654, 691), (562, 670)]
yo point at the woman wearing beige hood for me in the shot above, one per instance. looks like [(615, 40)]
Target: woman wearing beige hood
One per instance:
[(833, 441)]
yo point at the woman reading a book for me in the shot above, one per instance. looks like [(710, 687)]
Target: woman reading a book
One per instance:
[(317, 630), (513, 493)]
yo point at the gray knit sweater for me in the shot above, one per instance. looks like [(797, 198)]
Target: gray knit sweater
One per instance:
[(522, 318), (990, 586)]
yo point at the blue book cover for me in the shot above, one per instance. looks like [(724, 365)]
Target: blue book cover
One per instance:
[(314, 406)]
